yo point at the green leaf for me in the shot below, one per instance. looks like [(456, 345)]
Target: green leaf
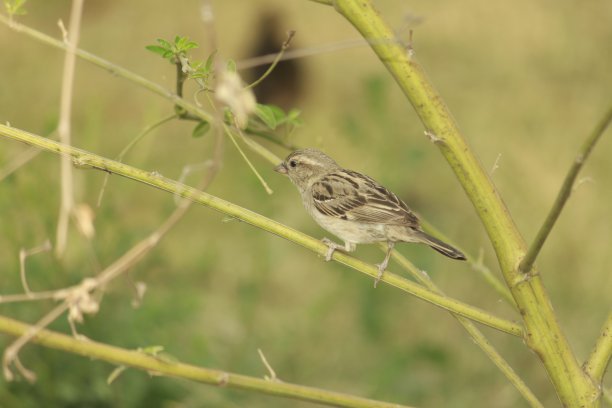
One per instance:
[(267, 116), (166, 44), (210, 60), (151, 350), (183, 44), (279, 114), (15, 7), (231, 65), (293, 117), (201, 129), (190, 45), (157, 50)]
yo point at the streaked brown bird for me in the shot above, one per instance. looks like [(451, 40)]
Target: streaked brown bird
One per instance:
[(355, 207)]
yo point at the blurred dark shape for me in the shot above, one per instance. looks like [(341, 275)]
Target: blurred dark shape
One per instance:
[(284, 85)]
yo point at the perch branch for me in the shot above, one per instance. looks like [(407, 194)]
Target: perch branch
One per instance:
[(85, 159)]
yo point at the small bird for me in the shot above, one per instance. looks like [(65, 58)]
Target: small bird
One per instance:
[(355, 207)]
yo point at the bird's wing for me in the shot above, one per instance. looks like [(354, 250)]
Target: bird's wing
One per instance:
[(352, 196)]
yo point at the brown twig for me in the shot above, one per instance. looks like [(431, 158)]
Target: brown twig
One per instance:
[(67, 179), (77, 300)]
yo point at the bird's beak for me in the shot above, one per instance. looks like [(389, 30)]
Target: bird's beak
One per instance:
[(281, 168)]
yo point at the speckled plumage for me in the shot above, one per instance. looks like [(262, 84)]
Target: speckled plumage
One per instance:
[(353, 206)]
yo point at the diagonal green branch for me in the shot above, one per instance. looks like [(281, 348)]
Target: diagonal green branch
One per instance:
[(161, 366), (110, 67), (600, 356), (564, 194), (83, 158), (474, 332), (476, 263)]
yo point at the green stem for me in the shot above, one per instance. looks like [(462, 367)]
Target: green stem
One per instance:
[(229, 134), (543, 333), (110, 67), (600, 356), (152, 364), (564, 194), (83, 158), (180, 78), (476, 263), (275, 62)]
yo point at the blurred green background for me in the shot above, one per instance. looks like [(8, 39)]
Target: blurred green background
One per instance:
[(526, 82)]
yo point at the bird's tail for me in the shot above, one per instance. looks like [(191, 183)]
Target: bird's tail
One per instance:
[(440, 246)]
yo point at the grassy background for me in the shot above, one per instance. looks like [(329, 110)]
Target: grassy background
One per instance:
[(525, 80)]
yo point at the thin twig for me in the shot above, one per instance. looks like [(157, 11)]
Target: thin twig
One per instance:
[(308, 52), (259, 149), (23, 255), (476, 262), (272, 376), (115, 70), (473, 331), (496, 164), (129, 146), (12, 351), (18, 161), (67, 178), (77, 299), (30, 296), (564, 193), (229, 133), (271, 137), (284, 47), (110, 67)]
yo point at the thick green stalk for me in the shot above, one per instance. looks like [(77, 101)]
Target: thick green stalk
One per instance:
[(543, 333), (159, 365), (84, 159)]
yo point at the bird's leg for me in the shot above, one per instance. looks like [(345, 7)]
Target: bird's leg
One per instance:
[(332, 246), (382, 266)]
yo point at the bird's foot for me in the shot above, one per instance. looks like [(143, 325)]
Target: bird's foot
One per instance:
[(381, 270), (331, 247), (383, 265)]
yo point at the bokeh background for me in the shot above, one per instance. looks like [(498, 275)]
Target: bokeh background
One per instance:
[(526, 82)]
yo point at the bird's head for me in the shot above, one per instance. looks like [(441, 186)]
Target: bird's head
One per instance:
[(305, 166)]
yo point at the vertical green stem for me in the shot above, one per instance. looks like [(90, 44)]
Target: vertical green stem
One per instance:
[(543, 333)]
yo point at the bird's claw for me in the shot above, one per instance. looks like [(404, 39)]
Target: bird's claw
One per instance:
[(330, 252), (381, 270), (331, 248)]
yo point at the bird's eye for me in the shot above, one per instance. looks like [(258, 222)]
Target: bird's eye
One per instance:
[(293, 163)]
